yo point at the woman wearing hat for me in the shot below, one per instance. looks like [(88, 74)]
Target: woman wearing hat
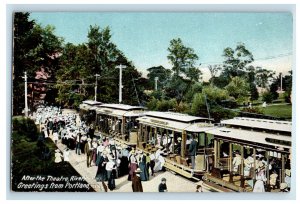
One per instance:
[(178, 146), (133, 164), (260, 178), (110, 167), (58, 156), (249, 162), (101, 174), (287, 178), (237, 160), (273, 179), (66, 155), (124, 161), (136, 181), (142, 166)]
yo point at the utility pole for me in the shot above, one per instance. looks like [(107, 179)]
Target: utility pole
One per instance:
[(96, 86), (207, 106), (156, 79), (120, 82), (26, 105)]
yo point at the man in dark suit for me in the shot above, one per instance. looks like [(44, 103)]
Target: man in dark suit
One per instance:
[(192, 152), (88, 150)]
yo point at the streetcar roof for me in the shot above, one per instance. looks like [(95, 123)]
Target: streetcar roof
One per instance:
[(84, 106), (122, 107), (94, 107), (119, 110), (174, 125), (172, 116), (250, 137), (274, 125), (91, 102)]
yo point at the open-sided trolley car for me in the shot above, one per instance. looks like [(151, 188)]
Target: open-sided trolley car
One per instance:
[(243, 146)]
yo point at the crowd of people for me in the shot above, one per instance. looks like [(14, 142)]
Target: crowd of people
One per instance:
[(112, 160), (261, 165)]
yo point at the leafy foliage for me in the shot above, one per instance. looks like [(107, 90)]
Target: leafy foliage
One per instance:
[(34, 47), (267, 97), (25, 127), (256, 110), (163, 75), (238, 88), (236, 60), (263, 77), (80, 64), (253, 92), (183, 60)]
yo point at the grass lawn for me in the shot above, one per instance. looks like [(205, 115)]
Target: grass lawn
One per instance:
[(283, 110)]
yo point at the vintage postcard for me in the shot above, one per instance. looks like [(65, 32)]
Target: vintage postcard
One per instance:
[(152, 102)]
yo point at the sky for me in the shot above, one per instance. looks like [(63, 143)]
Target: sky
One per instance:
[(145, 37)]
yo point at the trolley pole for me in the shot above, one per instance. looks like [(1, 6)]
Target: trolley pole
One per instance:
[(156, 79), (26, 105), (120, 82), (96, 86)]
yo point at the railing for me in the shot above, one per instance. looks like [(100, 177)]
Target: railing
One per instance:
[(223, 163), (223, 183)]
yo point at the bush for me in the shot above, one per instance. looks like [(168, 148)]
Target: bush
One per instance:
[(182, 108), (151, 105), (256, 110), (287, 97), (218, 113), (267, 97), (165, 105), (25, 127)]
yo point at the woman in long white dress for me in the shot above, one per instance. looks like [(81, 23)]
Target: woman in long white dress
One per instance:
[(58, 156), (66, 155), (260, 179)]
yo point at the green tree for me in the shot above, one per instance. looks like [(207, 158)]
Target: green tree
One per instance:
[(210, 98), (250, 74), (74, 75), (34, 47), (162, 73), (236, 60), (80, 64), (267, 97), (273, 90), (23, 43), (253, 92), (238, 88), (213, 69), (195, 88), (263, 77), (288, 84), (177, 88), (183, 60)]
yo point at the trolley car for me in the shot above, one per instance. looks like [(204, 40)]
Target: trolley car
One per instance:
[(216, 145), (118, 120), (87, 110), (172, 131), (251, 140)]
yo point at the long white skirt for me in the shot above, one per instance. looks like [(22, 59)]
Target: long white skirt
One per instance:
[(259, 187), (46, 133)]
